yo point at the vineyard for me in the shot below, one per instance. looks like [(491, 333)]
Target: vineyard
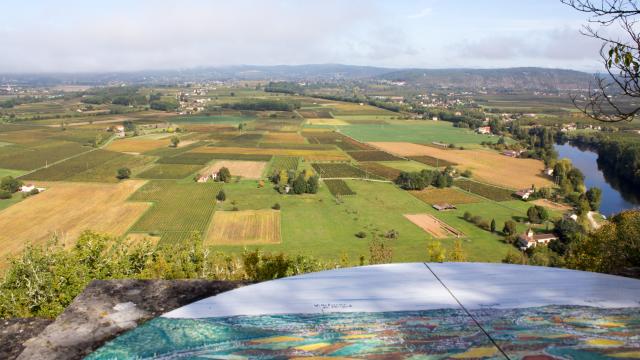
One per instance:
[(20, 158), (339, 170), (338, 187), (334, 138), (169, 171), (488, 191), (432, 161), (178, 208), (284, 163), (372, 155), (447, 195), (73, 166), (380, 170), (248, 227)]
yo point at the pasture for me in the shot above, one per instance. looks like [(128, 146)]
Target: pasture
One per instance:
[(486, 165), (63, 210), (248, 227)]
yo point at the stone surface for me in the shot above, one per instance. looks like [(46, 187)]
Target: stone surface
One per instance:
[(16, 331), (106, 309)]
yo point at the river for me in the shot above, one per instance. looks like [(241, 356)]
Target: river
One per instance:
[(616, 194)]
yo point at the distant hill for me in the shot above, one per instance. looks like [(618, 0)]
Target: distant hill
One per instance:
[(508, 79), (470, 79)]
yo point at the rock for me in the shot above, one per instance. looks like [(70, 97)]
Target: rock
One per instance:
[(106, 308), (14, 332)]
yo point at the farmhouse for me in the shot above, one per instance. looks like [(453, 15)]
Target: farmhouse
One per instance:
[(529, 239), (444, 207), (524, 194), (511, 153), (204, 178), (484, 130), (30, 187)]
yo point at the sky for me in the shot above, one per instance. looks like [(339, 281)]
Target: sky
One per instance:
[(90, 36)]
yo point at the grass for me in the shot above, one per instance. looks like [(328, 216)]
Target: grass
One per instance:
[(248, 227), (169, 171), (10, 172), (179, 208), (420, 132), (334, 223), (338, 187), (485, 190)]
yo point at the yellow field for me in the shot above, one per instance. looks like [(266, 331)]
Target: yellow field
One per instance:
[(284, 137), (486, 165), (432, 225), (245, 169), (134, 145), (447, 195), (67, 209), (249, 227), (310, 155), (322, 121)]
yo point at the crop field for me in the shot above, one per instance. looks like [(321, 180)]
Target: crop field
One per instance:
[(19, 158), (447, 195), (178, 208), (137, 145), (244, 169), (169, 171), (284, 137), (106, 172), (416, 131), (334, 138), (485, 190), (372, 155), (326, 122), (380, 170), (432, 161), (487, 165), (339, 171), (433, 226), (345, 108), (247, 227), (284, 163), (68, 168), (309, 155), (171, 151), (64, 210), (315, 114), (338, 187), (214, 119)]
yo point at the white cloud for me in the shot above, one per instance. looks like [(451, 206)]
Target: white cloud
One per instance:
[(420, 14)]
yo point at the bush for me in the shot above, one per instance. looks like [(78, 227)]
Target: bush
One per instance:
[(123, 173), (276, 206), (10, 184), (361, 234), (221, 196), (5, 194)]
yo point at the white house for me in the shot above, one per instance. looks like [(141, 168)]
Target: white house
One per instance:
[(530, 239), (484, 130), (524, 194), (30, 187)]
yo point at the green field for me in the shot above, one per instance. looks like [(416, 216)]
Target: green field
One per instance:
[(215, 119), (420, 132), (74, 166), (9, 172), (29, 158), (377, 206), (107, 171), (169, 171), (178, 208)]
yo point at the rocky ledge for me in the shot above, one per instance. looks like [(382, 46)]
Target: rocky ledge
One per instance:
[(103, 311)]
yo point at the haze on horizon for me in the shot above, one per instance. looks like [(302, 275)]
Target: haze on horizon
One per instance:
[(79, 36)]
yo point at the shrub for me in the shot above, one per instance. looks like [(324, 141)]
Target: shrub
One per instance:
[(5, 194), (221, 196), (10, 184), (276, 206), (361, 234), (123, 173)]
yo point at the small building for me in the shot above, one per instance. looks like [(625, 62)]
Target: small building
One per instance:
[(548, 171), (444, 207), (523, 194), (484, 130), (435, 118), (30, 187), (511, 153), (530, 239)]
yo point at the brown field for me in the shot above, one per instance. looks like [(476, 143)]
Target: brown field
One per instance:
[(67, 209), (284, 137), (309, 155), (245, 169), (323, 121), (552, 205), (248, 227), (447, 195), (134, 145), (138, 238), (433, 226), (486, 165)]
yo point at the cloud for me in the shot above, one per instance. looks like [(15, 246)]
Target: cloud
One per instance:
[(420, 14)]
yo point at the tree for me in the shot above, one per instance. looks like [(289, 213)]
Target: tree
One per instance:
[(123, 173), (493, 225), (510, 228), (594, 196), (175, 141), (458, 254), (436, 252), (514, 257), (312, 185), (4, 194), (608, 99), (224, 175), (221, 196), (10, 184), (537, 214), (299, 185)]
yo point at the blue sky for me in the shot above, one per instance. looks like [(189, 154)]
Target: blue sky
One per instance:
[(70, 36)]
